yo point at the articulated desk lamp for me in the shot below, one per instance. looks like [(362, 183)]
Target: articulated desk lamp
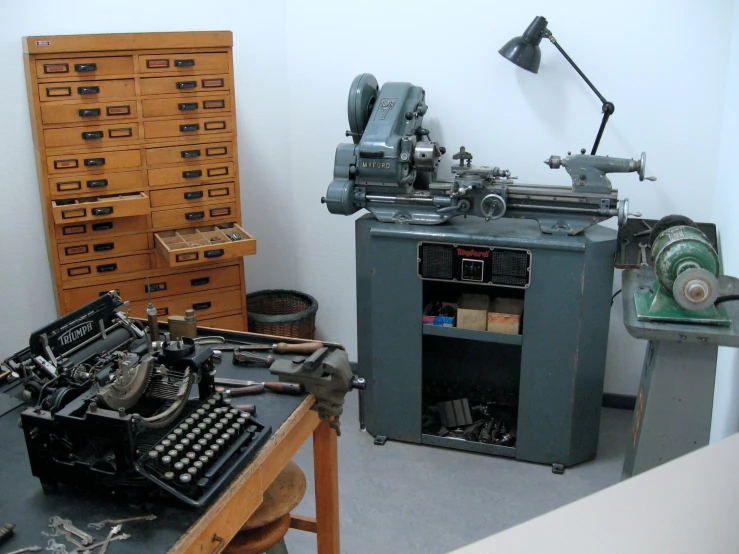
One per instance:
[(524, 51)]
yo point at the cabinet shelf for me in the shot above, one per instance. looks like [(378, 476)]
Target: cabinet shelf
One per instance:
[(471, 334), (470, 446)]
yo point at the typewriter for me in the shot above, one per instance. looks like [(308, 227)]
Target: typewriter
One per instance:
[(114, 408)]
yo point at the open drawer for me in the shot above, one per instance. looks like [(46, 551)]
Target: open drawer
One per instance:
[(197, 245), (99, 207)]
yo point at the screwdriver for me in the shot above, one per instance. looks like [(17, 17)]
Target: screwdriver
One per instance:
[(254, 387), (279, 348)]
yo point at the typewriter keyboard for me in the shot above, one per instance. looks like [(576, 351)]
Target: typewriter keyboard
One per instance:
[(203, 450)]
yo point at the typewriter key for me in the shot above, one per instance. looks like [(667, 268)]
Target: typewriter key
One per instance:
[(185, 441), (207, 421), (203, 459), (226, 437), (191, 455), (195, 416), (202, 425), (218, 425), (192, 471), (220, 442), (153, 455), (214, 431), (215, 448), (203, 442), (209, 454), (166, 460), (213, 401), (189, 421), (241, 420), (198, 464), (229, 416), (190, 436), (236, 426), (197, 431), (179, 447), (231, 431), (179, 466), (172, 453), (185, 478), (251, 429), (208, 436), (168, 476), (166, 443), (200, 411), (179, 432), (185, 462), (197, 447), (159, 448)]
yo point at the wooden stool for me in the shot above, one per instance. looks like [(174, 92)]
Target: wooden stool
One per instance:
[(266, 528)]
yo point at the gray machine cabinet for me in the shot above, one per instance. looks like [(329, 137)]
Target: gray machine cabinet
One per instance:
[(561, 363)]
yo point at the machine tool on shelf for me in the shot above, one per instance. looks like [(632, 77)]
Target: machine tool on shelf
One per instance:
[(391, 170)]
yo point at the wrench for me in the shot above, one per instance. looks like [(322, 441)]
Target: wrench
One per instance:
[(114, 531), (624, 243), (100, 524), (643, 251), (26, 549), (121, 537), (66, 524)]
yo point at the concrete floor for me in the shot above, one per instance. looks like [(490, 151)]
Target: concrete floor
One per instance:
[(406, 498)]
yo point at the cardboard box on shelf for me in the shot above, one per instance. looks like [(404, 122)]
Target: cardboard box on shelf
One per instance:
[(439, 320), (472, 311), (504, 316)]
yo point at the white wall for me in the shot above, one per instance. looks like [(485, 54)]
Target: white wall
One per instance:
[(726, 192), (662, 63)]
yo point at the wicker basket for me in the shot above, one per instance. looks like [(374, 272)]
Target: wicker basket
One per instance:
[(286, 313)]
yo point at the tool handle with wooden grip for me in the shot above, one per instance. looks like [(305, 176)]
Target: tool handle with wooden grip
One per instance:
[(242, 391), (299, 348), (248, 408), (284, 388)]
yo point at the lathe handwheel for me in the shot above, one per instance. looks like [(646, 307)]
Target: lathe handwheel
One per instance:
[(493, 206), (362, 97)]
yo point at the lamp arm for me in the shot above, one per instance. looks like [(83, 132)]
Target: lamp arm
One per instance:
[(608, 107)]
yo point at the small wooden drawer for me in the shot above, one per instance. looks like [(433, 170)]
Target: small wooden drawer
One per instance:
[(183, 63), (204, 303), (106, 267), (84, 68), (69, 185), (192, 196), (228, 322), (100, 207), (193, 216), (200, 105), (93, 161), (184, 85), (91, 249), (199, 245), (191, 174), (164, 285), (84, 113), (87, 91), (92, 136), (188, 128), (96, 230), (189, 153)]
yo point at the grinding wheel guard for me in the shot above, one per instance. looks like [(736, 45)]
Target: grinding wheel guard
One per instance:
[(325, 374)]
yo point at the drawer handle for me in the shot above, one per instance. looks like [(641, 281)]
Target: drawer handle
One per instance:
[(201, 306), (195, 215), (220, 544), (193, 195), (88, 90), (89, 135), (214, 253), (185, 106), (85, 67), (186, 84), (192, 174), (90, 112), (190, 153), (199, 282), (97, 183), (106, 268), (189, 128), (90, 162), (107, 210), (107, 226), (184, 63), (155, 287), (104, 247)]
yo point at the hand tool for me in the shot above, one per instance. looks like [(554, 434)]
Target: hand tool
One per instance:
[(114, 531), (643, 233), (100, 524), (56, 547), (624, 243), (26, 549), (253, 387), (119, 537), (248, 408), (4, 375), (244, 356), (6, 531), (643, 247), (279, 347)]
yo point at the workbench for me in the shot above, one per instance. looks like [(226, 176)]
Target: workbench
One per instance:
[(178, 529)]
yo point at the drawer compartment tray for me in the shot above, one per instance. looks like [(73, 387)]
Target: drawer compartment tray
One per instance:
[(199, 245)]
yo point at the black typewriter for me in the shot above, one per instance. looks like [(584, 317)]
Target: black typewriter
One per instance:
[(113, 409)]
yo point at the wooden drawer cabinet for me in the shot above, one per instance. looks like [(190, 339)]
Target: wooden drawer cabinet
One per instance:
[(133, 141)]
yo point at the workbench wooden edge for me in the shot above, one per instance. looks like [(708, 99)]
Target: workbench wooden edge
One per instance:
[(226, 516), (61, 44)]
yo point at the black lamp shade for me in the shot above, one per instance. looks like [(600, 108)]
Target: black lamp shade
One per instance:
[(524, 51)]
